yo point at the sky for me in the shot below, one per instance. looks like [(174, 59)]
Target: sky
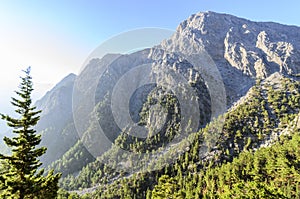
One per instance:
[(55, 37)]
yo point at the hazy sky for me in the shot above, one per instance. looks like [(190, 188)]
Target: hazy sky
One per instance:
[(55, 37)]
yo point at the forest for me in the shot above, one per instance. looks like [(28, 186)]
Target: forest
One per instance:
[(257, 156)]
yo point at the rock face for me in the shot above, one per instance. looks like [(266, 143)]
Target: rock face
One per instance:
[(219, 55), (127, 83), (241, 49)]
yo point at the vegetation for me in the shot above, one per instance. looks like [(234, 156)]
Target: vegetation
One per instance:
[(272, 172), (73, 160), (256, 154), (21, 177), (235, 166)]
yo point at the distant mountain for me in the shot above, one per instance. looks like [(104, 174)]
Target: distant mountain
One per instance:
[(228, 62), (58, 97), (56, 123)]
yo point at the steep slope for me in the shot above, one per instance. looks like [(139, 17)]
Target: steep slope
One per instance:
[(269, 111), (74, 155), (242, 51), (56, 125)]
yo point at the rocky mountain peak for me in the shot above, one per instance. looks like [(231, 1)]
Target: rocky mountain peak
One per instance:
[(241, 49), (221, 55)]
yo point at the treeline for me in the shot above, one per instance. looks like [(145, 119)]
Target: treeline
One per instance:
[(231, 166), (272, 172)]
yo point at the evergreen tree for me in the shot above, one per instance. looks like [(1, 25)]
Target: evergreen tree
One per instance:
[(23, 179)]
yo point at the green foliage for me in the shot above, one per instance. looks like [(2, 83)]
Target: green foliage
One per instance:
[(73, 160), (63, 194), (267, 173), (21, 178), (234, 165), (167, 188)]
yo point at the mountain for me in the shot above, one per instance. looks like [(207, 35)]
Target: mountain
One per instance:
[(56, 123), (242, 77), (253, 144), (55, 99), (242, 50)]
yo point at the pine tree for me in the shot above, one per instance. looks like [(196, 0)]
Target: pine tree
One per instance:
[(23, 179)]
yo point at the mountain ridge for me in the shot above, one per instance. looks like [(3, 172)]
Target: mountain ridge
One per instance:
[(56, 119), (236, 53), (194, 29), (223, 37)]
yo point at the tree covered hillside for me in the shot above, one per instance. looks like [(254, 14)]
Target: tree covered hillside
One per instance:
[(255, 155)]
